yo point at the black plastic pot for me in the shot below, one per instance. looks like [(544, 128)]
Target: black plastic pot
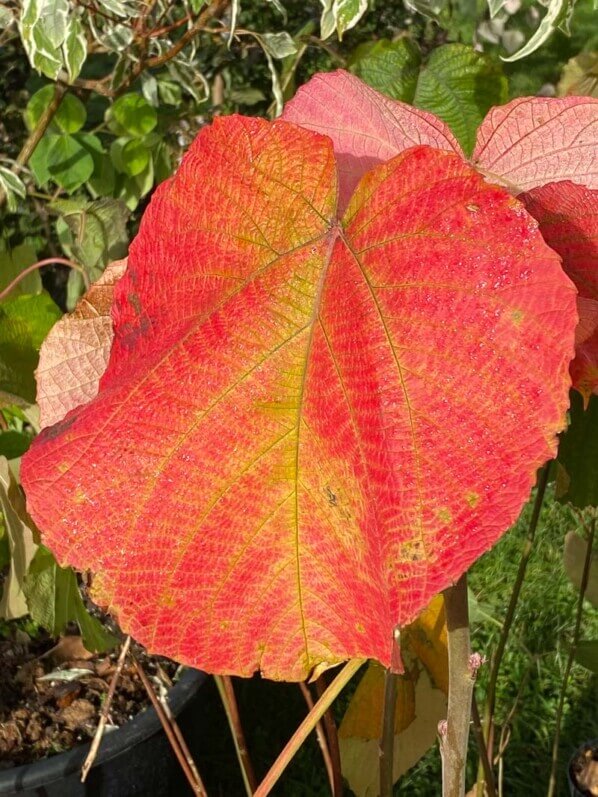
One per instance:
[(592, 745), (136, 759)]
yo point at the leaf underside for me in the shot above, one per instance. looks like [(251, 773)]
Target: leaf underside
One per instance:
[(320, 424)]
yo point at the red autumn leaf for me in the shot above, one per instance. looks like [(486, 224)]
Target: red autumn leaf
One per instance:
[(75, 354), (536, 140), (568, 218), (366, 127), (307, 427)]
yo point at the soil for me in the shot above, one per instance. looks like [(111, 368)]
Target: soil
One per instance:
[(584, 771), (51, 693)]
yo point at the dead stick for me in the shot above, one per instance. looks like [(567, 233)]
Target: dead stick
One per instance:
[(225, 688), (455, 732), (321, 737), (93, 750), (332, 736), (195, 783), (177, 731)]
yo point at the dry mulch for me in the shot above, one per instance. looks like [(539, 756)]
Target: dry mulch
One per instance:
[(41, 715)]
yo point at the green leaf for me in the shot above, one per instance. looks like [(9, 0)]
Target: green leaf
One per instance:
[(162, 162), (278, 45), (134, 114), (24, 323), (96, 232), (577, 478), (129, 156), (460, 86), (340, 15), (574, 559), (13, 444), (69, 118), (12, 263), (586, 654), (457, 84), (557, 12), (116, 7), (134, 188), (38, 162), (170, 92), (42, 25), (391, 67), (53, 15), (74, 49), (54, 600), (69, 163), (149, 87), (12, 186), (21, 537)]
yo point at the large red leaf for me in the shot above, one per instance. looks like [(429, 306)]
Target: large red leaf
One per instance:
[(536, 140), (307, 428), (365, 126), (568, 217)]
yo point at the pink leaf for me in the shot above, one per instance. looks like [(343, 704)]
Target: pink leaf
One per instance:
[(536, 140), (75, 354), (366, 127)]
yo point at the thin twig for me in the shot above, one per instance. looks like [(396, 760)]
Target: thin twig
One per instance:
[(453, 743), (482, 749), (231, 709), (191, 773), (40, 263), (101, 85), (332, 736), (321, 737), (93, 750), (388, 733), (38, 131), (572, 651), (166, 681), (307, 726), (497, 657)]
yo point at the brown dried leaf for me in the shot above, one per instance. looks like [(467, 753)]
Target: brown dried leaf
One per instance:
[(75, 354)]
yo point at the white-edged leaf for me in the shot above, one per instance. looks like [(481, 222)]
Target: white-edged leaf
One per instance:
[(235, 7), (74, 49), (279, 45), (340, 15), (13, 187), (494, 6), (556, 13)]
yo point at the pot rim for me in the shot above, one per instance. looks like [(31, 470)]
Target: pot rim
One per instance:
[(45, 771)]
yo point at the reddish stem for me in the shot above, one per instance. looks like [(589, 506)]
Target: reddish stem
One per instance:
[(48, 261)]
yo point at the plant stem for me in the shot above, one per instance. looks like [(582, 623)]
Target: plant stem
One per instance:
[(307, 726), (321, 736), (332, 735), (229, 701), (46, 262), (38, 131), (496, 659), (572, 650), (180, 750), (482, 749), (388, 733), (93, 750), (453, 744)]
